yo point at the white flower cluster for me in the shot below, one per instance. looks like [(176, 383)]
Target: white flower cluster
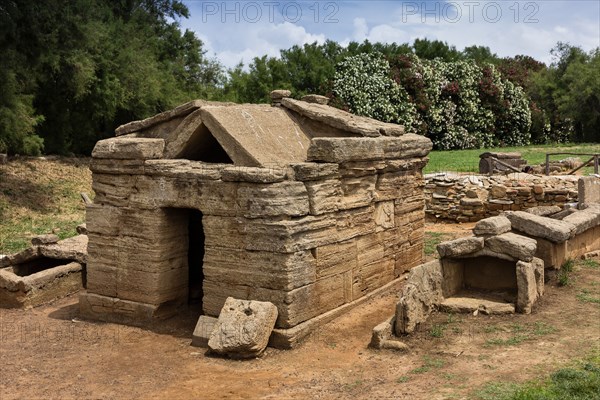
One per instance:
[(363, 82), (458, 105)]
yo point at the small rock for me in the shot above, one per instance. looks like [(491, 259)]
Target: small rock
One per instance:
[(41, 240), (394, 345), (3, 159), (277, 95), (82, 229)]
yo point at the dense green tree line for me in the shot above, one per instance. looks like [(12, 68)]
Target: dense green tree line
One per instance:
[(70, 72)]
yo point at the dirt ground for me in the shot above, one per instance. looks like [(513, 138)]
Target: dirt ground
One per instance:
[(49, 352)]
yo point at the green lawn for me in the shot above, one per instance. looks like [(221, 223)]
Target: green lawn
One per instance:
[(468, 160)]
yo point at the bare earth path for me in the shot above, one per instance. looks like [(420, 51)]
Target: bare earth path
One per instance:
[(48, 352)]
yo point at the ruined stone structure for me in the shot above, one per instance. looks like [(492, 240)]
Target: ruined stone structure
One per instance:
[(300, 204), (499, 270), (48, 270)]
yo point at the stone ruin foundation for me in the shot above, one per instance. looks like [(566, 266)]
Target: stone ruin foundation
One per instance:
[(499, 270), (50, 269), (298, 204)]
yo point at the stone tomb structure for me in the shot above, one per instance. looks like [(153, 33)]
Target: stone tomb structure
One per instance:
[(298, 204)]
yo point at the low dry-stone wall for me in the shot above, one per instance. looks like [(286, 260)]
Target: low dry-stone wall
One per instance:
[(471, 198)]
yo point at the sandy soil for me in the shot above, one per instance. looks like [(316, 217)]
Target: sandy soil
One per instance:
[(48, 352)]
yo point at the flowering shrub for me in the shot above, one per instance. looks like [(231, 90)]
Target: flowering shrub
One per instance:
[(458, 105), (363, 83)]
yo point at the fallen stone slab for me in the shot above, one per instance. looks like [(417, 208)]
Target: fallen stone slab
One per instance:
[(460, 247), (543, 211), (464, 305), (129, 148), (243, 328), (492, 226), (547, 228), (203, 330)]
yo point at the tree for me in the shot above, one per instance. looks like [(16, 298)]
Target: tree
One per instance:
[(75, 70)]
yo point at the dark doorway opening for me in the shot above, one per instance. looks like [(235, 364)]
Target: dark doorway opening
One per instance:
[(195, 257)]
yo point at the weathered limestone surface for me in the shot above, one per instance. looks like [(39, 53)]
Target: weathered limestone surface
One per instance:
[(243, 328), (44, 239), (257, 135), (589, 190), (460, 247), (547, 228), (339, 150), (129, 148), (528, 277), (517, 246), (423, 290), (343, 120), (470, 305), (177, 112), (544, 211), (492, 226)]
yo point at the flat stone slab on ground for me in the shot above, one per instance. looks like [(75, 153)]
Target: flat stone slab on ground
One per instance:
[(204, 328), (469, 305)]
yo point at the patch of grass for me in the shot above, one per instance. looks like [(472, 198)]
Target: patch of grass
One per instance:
[(518, 333), (41, 196), (403, 379), (590, 263), (428, 365), (580, 381), (563, 276), (432, 239), (468, 160), (586, 296), (542, 328), (437, 331)]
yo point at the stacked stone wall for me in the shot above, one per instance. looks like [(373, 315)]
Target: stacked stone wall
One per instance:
[(460, 198)]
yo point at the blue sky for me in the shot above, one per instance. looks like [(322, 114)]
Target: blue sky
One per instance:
[(235, 31)]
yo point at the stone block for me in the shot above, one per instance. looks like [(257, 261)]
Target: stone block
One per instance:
[(422, 291), (368, 277), (278, 271), (314, 171), (460, 247), (324, 196), (536, 226), (253, 174), (492, 226), (129, 148), (336, 258), (517, 246), (278, 199), (527, 291), (243, 328), (357, 192), (384, 215), (589, 190)]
